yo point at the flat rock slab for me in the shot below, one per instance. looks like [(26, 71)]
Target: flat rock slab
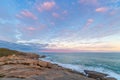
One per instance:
[(12, 79), (26, 68), (110, 78), (94, 74)]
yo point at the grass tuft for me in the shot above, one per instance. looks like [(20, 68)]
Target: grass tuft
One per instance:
[(7, 52)]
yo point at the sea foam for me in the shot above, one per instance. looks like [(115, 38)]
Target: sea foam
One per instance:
[(81, 68)]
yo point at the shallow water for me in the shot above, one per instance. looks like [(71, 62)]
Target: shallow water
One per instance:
[(102, 62)]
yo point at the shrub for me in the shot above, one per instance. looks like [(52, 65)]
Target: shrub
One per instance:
[(7, 52)]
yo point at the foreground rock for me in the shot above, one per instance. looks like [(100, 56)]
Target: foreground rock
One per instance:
[(109, 78), (12, 79), (98, 75), (16, 67), (22, 66)]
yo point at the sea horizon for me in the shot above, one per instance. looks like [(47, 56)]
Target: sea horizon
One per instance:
[(106, 63), (76, 34)]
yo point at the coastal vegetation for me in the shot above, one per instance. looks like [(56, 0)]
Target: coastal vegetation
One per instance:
[(7, 52)]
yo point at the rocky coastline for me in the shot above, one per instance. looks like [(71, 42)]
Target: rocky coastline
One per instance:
[(28, 66)]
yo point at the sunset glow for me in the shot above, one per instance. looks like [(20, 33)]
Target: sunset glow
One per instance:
[(63, 25)]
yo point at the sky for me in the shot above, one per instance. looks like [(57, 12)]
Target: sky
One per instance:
[(64, 25)]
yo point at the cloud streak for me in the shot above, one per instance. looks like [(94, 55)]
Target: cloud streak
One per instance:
[(18, 35), (89, 2), (101, 9), (46, 6), (56, 15), (88, 23), (27, 14), (61, 24)]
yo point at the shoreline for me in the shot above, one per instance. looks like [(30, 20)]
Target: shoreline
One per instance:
[(29, 67), (77, 69)]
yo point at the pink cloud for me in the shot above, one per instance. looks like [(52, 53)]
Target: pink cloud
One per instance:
[(101, 9), (31, 28), (56, 15), (41, 27), (38, 28), (88, 23), (46, 6), (70, 50), (93, 2), (59, 50), (90, 20), (28, 14), (62, 15)]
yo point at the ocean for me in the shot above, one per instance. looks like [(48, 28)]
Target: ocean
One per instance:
[(101, 62)]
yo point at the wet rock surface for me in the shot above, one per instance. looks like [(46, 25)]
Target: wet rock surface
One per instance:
[(98, 75), (109, 78)]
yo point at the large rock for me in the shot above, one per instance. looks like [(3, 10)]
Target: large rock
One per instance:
[(42, 56), (29, 55), (43, 63), (109, 78), (95, 75), (16, 67), (12, 79)]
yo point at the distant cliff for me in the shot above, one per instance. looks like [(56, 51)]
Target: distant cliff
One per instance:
[(29, 47)]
